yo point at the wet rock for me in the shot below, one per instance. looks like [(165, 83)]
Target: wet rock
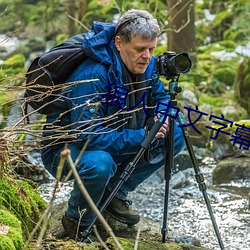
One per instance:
[(181, 179), (149, 233), (222, 147), (231, 169), (30, 167)]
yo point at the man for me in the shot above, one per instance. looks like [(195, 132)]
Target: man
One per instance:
[(108, 115)]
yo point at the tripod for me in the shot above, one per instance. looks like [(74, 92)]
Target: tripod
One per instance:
[(173, 90)]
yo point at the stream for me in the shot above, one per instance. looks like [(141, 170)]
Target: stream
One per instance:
[(187, 212)]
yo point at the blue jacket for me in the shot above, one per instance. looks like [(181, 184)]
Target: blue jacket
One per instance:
[(91, 116)]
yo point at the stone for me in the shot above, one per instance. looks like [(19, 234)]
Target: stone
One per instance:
[(231, 168)]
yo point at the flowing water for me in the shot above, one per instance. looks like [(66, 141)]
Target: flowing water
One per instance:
[(187, 212)]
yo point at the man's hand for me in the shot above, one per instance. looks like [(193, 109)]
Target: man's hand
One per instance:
[(163, 130)]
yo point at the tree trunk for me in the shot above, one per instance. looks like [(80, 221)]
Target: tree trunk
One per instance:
[(71, 6), (83, 7), (181, 27)]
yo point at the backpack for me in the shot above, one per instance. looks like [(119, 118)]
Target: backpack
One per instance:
[(47, 74)]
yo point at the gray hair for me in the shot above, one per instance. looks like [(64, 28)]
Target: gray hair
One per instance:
[(137, 22)]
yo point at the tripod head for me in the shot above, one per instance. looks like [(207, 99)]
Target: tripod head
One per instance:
[(171, 65), (174, 89)]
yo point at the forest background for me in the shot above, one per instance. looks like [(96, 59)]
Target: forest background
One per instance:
[(215, 34)]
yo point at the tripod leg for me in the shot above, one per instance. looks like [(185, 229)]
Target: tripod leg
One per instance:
[(200, 179), (168, 173), (127, 171)]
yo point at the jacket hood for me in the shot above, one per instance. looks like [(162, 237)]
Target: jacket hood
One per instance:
[(98, 43)]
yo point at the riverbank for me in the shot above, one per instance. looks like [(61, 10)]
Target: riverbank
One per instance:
[(188, 215)]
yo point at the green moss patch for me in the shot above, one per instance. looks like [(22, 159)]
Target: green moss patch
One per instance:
[(10, 231), (22, 200), (128, 244)]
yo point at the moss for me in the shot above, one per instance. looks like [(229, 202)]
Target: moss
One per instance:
[(16, 237), (6, 96), (22, 200), (128, 244), (6, 243), (13, 239), (215, 101), (228, 45), (220, 24), (66, 245), (225, 75), (13, 71), (242, 84), (9, 219), (60, 38), (16, 61)]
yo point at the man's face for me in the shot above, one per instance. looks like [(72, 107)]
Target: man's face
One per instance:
[(137, 53)]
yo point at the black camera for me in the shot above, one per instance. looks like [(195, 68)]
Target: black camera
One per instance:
[(170, 64)]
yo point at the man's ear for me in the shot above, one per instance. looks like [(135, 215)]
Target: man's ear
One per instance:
[(118, 42)]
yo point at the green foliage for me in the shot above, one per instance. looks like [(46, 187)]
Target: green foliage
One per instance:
[(221, 23), (60, 38), (5, 97), (160, 49), (216, 67), (242, 84), (17, 61), (12, 67), (229, 23)]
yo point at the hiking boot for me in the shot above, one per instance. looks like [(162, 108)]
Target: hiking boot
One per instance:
[(121, 211), (75, 231)]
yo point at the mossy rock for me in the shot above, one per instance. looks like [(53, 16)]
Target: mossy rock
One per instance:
[(231, 169), (224, 104), (11, 237), (242, 84), (223, 145), (21, 199), (128, 244), (225, 75)]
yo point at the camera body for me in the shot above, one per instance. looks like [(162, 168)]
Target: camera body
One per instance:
[(171, 65)]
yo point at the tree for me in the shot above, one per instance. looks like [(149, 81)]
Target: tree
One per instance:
[(181, 26), (76, 11)]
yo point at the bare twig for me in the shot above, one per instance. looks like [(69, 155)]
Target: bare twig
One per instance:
[(99, 238), (77, 21), (137, 236), (67, 155)]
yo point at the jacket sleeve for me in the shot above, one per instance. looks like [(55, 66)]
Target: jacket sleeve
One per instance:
[(88, 115)]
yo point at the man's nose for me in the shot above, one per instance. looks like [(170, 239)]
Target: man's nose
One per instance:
[(146, 54)]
